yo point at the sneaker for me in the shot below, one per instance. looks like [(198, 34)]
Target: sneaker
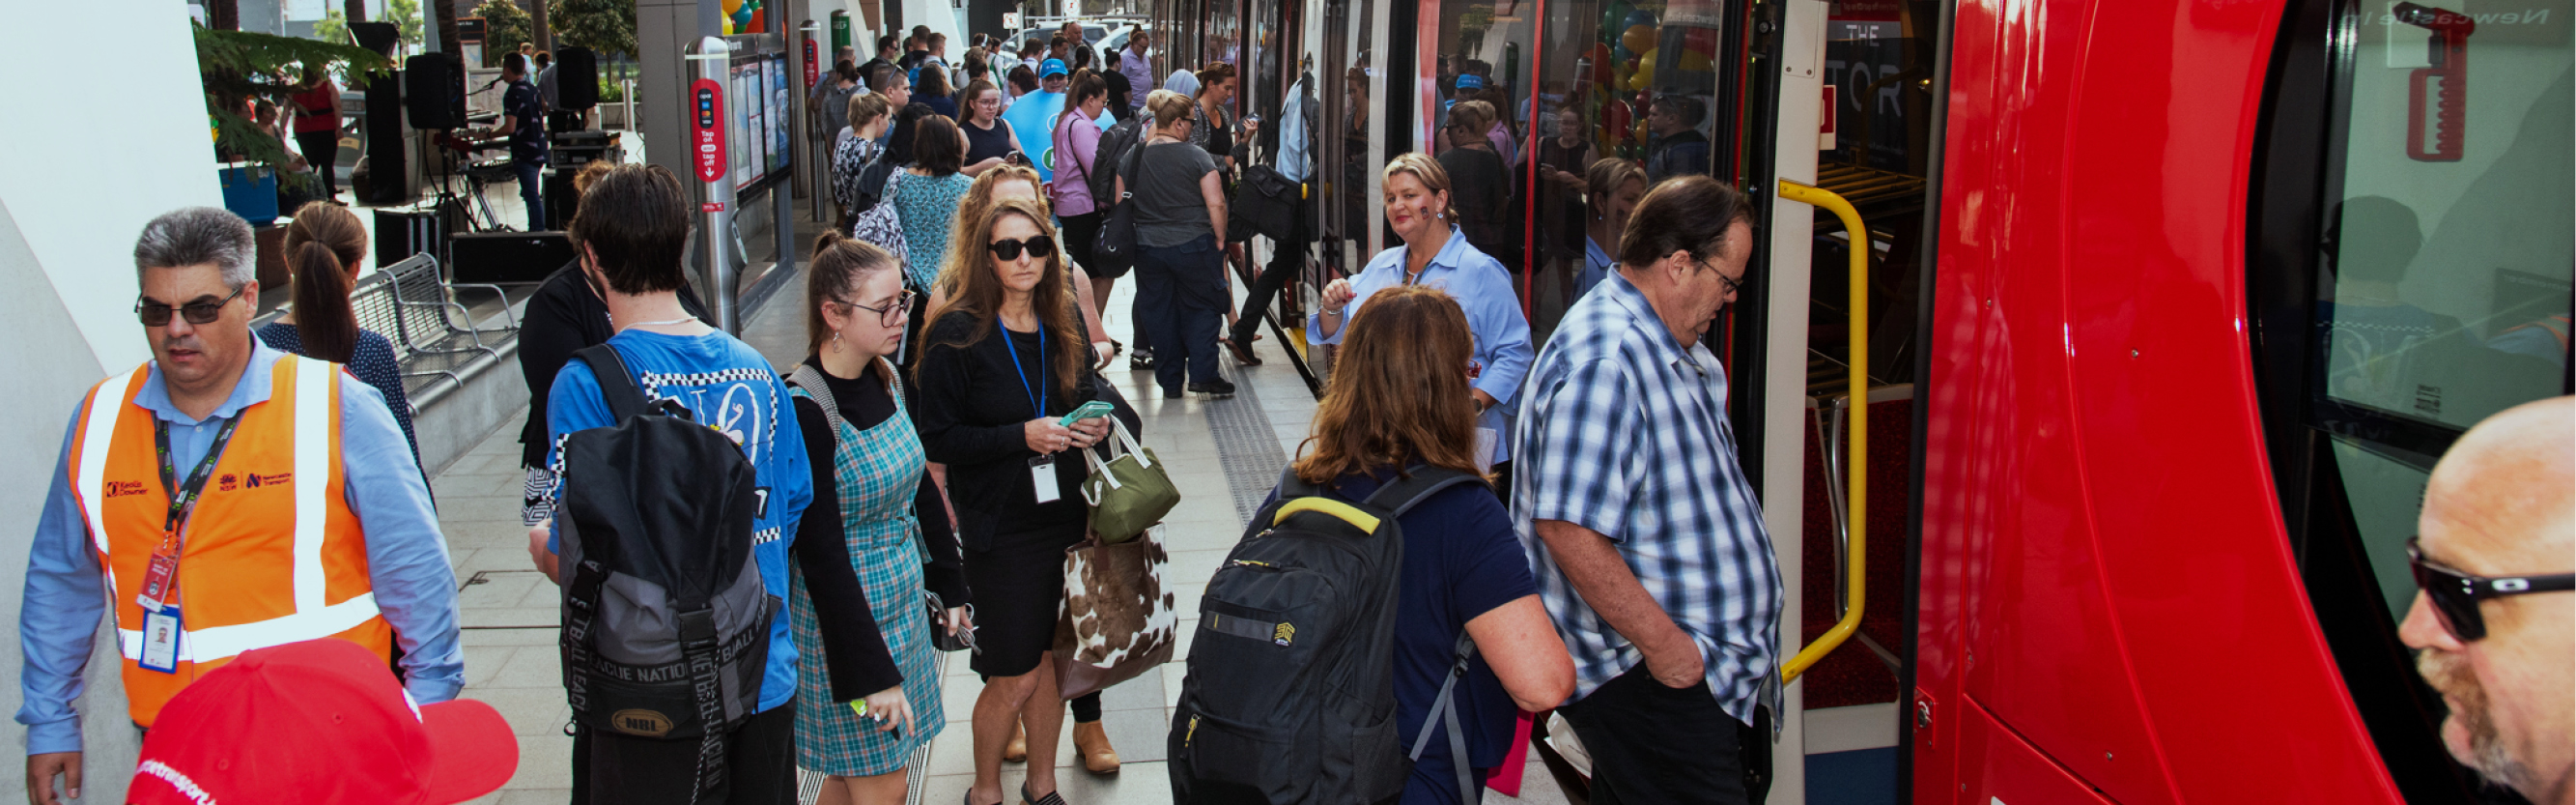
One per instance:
[(1219, 388), (1140, 360)]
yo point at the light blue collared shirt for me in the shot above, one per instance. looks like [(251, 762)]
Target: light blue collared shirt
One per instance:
[(407, 561), (1484, 290)]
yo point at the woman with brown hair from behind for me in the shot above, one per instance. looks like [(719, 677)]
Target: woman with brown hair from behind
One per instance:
[(325, 245), (1399, 402)]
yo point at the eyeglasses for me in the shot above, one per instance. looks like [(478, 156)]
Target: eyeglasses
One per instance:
[(2456, 594), (1734, 285), (887, 316), (1040, 247), (155, 314)]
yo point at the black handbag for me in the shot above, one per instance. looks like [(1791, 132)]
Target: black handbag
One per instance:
[(1113, 251), (1265, 204)]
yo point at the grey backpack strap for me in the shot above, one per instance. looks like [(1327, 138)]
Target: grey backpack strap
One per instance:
[(1403, 494), (1444, 713), (810, 380)]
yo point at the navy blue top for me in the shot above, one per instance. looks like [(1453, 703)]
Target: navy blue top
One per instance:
[(1461, 560), (528, 112), (372, 362), (940, 103)]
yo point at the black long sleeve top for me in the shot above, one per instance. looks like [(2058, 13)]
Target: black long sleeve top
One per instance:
[(565, 317), (974, 408), (862, 662)]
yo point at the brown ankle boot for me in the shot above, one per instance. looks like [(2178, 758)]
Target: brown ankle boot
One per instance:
[(1017, 751), (1092, 743)]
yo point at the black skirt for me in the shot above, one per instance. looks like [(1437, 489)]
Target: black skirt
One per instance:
[(1019, 593)]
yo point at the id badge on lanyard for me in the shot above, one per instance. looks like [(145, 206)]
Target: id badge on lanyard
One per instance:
[(1041, 469), (163, 626)]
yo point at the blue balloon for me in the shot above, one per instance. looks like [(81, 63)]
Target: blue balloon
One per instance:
[(1033, 117), (1639, 17)]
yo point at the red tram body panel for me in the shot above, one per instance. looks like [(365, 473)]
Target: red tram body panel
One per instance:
[(2105, 583)]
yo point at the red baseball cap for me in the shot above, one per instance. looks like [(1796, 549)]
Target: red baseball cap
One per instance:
[(321, 721)]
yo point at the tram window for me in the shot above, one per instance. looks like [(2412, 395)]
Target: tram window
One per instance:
[(2449, 246), (1617, 80)]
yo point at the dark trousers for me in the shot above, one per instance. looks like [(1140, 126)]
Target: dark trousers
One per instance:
[(322, 148), (1656, 744), (532, 190), (1180, 299), (760, 765), (1289, 256)]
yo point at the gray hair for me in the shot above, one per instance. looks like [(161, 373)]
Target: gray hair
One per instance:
[(191, 236)]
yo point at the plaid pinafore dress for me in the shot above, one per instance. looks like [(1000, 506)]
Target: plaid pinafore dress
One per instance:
[(877, 471)]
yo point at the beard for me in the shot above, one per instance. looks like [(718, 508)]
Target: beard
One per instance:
[(2450, 675)]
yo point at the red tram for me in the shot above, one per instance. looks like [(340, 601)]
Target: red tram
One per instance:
[(2164, 309)]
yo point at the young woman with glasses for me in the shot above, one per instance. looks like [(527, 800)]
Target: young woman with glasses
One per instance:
[(871, 494), (989, 138)]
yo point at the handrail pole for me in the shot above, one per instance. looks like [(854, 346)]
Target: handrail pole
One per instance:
[(1856, 469)]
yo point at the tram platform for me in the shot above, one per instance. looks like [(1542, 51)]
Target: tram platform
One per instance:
[(1227, 454)]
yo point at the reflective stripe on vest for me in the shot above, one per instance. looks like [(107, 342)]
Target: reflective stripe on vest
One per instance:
[(259, 568)]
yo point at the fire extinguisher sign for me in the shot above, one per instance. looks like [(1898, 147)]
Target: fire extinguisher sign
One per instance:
[(706, 128)]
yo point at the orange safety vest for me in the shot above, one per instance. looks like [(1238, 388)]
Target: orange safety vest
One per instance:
[(273, 555)]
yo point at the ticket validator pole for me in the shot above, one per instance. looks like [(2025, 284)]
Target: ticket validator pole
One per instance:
[(708, 115)]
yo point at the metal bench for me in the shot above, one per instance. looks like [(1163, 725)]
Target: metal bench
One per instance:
[(429, 318)]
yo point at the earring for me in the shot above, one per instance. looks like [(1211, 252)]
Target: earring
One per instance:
[(836, 340)]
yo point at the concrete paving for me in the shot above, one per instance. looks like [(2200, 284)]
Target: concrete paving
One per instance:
[(510, 616)]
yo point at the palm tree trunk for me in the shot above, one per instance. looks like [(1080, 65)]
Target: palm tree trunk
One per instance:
[(542, 35), (223, 15), (357, 11), (447, 42)]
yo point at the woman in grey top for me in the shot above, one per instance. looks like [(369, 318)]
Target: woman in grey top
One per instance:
[(1180, 273)]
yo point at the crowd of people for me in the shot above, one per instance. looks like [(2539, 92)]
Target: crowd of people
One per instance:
[(917, 475)]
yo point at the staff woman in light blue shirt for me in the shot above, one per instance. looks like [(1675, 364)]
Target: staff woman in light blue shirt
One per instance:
[(1435, 254)]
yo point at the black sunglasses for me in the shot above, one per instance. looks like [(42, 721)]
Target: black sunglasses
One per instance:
[(1040, 247), (155, 314), (2456, 595)]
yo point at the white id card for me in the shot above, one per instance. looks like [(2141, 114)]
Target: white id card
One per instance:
[(161, 640), (1042, 479)]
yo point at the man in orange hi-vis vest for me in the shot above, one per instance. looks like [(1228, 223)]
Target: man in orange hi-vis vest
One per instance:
[(222, 498)]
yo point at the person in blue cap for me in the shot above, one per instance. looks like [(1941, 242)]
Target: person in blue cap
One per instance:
[(1052, 75)]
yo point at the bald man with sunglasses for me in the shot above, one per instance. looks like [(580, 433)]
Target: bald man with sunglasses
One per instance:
[(2494, 624), (223, 497)]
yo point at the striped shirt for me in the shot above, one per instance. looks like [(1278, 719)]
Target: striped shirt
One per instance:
[(1624, 432)]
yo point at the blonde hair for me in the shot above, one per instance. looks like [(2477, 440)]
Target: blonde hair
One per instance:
[(1168, 106), (1474, 116), (864, 108), (1427, 171)]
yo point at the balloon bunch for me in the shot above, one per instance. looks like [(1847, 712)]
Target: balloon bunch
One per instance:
[(744, 16), (1617, 75)]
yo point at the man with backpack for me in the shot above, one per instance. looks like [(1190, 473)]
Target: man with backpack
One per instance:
[(681, 477)]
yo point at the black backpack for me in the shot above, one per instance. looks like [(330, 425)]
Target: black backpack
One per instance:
[(1290, 695), (666, 622), (1114, 145)]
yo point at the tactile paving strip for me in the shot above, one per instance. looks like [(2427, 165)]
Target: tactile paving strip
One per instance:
[(1246, 447)]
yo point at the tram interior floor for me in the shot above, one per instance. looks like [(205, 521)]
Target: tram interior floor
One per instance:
[(510, 611)]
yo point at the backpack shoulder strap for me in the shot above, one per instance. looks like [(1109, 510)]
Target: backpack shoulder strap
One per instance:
[(1444, 713), (809, 381), (616, 385), (1420, 484)]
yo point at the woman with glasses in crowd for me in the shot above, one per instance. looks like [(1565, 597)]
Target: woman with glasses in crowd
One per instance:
[(1434, 253), (1002, 362), (871, 495), (989, 138)]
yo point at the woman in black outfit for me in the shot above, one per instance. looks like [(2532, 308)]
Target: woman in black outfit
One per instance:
[(989, 138), (1002, 361), (1482, 183)]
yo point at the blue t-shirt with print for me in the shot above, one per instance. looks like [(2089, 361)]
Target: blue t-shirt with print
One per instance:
[(726, 385)]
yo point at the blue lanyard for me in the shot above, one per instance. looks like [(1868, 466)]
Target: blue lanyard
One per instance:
[(1037, 396)]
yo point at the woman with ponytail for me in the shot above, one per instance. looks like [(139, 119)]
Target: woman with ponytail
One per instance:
[(324, 246)]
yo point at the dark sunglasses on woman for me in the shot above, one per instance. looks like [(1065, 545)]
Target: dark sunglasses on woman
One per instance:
[(1040, 247), (2455, 594)]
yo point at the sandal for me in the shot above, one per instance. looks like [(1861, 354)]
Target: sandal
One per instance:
[(1051, 798)]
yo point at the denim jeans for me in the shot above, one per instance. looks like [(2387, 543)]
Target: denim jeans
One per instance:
[(1180, 299), (532, 191)]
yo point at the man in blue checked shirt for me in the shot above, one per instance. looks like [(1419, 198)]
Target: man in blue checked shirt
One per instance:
[(1646, 540)]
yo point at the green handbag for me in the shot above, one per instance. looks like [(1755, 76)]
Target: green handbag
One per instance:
[(1128, 493)]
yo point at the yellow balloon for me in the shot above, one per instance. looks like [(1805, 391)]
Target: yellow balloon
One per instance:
[(728, 25), (1645, 75), (731, 6), (1645, 70), (1694, 61), (1642, 133), (1638, 38)]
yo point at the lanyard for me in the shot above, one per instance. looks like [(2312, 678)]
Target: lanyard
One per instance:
[(1037, 395), (183, 497)]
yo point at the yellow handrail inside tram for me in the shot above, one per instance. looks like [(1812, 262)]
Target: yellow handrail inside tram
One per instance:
[(1856, 472)]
